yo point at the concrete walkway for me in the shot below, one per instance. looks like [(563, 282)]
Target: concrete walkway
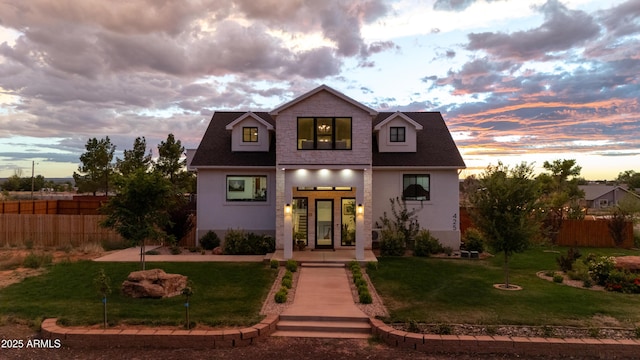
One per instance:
[(133, 255)]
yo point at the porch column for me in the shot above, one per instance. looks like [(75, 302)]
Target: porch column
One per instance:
[(287, 210), (360, 230)]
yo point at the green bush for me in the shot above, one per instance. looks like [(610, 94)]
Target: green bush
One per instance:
[(558, 278), (288, 283), (281, 296), (288, 274), (274, 263), (237, 242), (426, 244), (292, 265), (443, 329), (600, 267), (360, 282), (473, 240), (580, 271), (35, 261), (210, 240), (365, 297), (392, 243)]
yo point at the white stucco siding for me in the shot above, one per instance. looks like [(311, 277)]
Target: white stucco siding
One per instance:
[(440, 215), (217, 214)]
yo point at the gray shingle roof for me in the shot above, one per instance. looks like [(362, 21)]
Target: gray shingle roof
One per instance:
[(435, 145), (215, 147)]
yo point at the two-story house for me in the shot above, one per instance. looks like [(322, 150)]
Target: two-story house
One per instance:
[(322, 169)]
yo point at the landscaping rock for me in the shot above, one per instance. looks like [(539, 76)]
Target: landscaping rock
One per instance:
[(154, 283), (217, 251), (631, 263)]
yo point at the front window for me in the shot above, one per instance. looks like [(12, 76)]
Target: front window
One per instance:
[(246, 188), (249, 134), (397, 134), (324, 133), (415, 187)]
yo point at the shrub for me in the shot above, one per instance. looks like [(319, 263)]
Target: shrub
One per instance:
[(588, 283), (281, 296), (360, 282), (426, 244), (233, 242), (210, 240), (288, 275), (286, 282), (600, 268), (443, 329), (473, 240), (274, 263), (365, 297), (291, 265), (175, 250), (565, 262), (580, 271), (35, 261), (557, 278), (413, 326), (392, 243), (237, 242), (372, 265)]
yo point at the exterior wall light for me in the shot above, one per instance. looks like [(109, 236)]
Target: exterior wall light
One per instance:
[(287, 209), (360, 209)]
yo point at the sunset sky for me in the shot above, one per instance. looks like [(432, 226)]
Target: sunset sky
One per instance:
[(516, 80)]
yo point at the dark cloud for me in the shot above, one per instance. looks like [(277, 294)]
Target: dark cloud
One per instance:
[(562, 30)]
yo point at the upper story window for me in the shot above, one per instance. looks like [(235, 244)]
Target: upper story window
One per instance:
[(249, 134), (415, 187), (397, 134), (324, 133)]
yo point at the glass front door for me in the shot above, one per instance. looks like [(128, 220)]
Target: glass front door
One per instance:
[(324, 224)]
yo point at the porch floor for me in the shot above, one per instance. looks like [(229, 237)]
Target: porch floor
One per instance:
[(325, 256)]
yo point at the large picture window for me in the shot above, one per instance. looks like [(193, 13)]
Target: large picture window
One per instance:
[(324, 133), (415, 187), (246, 188)]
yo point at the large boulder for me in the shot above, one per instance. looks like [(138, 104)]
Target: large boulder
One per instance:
[(154, 283), (631, 263)]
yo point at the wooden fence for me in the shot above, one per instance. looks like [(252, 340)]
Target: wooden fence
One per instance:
[(581, 233), (42, 230), (591, 233), (53, 230), (84, 206)]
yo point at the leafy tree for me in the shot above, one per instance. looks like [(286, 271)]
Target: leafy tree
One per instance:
[(136, 158), (631, 178), (560, 194), (138, 211), (96, 169), (503, 207)]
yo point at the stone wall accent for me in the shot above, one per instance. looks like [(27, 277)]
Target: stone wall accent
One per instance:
[(158, 338), (518, 346)]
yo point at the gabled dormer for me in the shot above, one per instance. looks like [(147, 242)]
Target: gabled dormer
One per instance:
[(250, 132), (397, 133)]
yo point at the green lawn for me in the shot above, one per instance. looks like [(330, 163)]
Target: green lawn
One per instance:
[(461, 291), (225, 294)]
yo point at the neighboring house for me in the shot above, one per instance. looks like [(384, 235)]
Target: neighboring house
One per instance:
[(322, 169), (598, 196)]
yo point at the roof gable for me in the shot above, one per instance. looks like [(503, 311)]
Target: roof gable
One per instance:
[(248, 114), (320, 88), (396, 115)]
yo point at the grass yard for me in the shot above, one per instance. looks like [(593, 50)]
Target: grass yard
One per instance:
[(435, 290), (226, 294)]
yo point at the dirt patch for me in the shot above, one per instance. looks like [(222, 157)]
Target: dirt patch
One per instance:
[(12, 269)]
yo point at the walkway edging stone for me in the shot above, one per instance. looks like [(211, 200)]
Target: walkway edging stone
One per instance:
[(430, 343), (158, 338)]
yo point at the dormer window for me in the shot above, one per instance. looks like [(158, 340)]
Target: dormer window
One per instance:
[(324, 133), (397, 134), (249, 134)]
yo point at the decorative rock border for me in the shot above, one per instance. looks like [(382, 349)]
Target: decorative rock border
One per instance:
[(430, 343), (158, 338)]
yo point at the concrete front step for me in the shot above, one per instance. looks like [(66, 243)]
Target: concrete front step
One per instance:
[(323, 264), (324, 326), (343, 327), (321, 334)]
